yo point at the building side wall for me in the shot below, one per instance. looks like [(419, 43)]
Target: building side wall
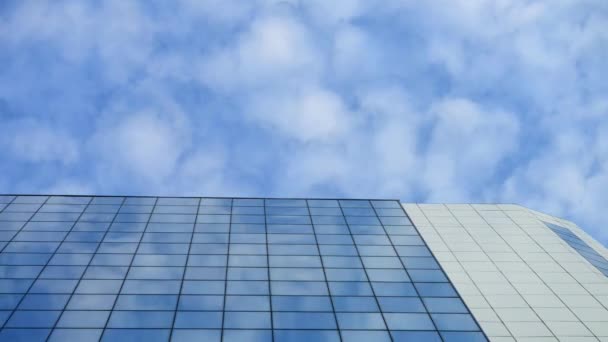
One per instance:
[(521, 281)]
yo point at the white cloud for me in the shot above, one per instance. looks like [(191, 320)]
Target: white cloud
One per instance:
[(36, 141), (275, 49), (447, 99), (144, 144), (467, 144), (117, 32), (356, 55), (305, 114), (335, 12)]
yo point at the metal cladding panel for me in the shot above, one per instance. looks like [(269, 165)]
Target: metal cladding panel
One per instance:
[(521, 280)]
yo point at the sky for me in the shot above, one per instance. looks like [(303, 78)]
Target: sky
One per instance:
[(484, 101)]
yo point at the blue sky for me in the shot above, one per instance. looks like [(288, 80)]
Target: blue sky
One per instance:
[(427, 101)]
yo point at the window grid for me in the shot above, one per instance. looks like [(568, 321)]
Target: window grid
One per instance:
[(226, 274), (16, 308), (113, 310), (406, 271), (267, 271), (290, 241), (331, 299), (181, 286)]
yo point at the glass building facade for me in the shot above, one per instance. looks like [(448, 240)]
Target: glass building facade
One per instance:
[(75, 268)]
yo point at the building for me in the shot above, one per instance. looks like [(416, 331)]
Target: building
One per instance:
[(526, 276), (90, 268)]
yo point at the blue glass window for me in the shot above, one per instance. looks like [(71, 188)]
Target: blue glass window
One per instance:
[(194, 335), (198, 319), (401, 304), (83, 268), (33, 319), (581, 247), (83, 319), (127, 335), (84, 335), (146, 302), (360, 321), (355, 304), (247, 320), (141, 319), (301, 303), (43, 302), (304, 320), (247, 303)]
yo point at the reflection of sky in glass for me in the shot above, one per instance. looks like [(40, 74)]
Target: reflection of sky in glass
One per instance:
[(138, 268), (581, 247)]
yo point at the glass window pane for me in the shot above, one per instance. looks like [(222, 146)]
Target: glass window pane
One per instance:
[(458, 322), (194, 335), (28, 335), (151, 287), (146, 302), (84, 335), (355, 304), (247, 335), (273, 211), (301, 303), (326, 211), (463, 336), (217, 202), (365, 336), (354, 204), (175, 209), (44, 302), (83, 319), (177, 201), (306, 335), (198, 319), (401, 304), (247, 303), (91, 302), (435, 289), (285, 203), (33, 319), (248, 202), (126, 335), (248, 210), (445, 305), (350, 289), (360, 320), (201, 303), (408, 321), (294, 288), (303, 320), (140, 319), (247, 320), (406, 336)]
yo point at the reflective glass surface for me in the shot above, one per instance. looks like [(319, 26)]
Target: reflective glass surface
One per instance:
[(76, 268), (581, 247)]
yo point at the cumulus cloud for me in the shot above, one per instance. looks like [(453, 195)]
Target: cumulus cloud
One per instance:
[(308, 114), (466, 145), (427, 101), (143, 144), (274, 48), (38, 142)]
